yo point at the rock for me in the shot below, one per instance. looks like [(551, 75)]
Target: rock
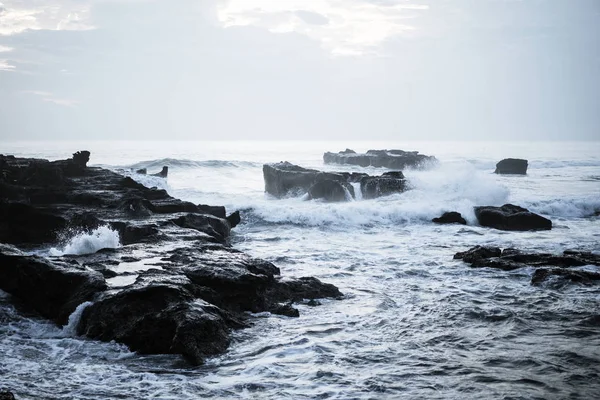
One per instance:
[(198, 289), (81, 158), (163, 173), (511, 218), (52, 289), (515, 166), (6, 395), (394, 159), (478, 253), (159, 319), (285, 179), (585, 277), (378, 186), (141, 171), (511, 259), (217, 211), (451, 217), (331, 190)]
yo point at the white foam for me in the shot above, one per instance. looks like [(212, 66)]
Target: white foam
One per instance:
[(357, 191), (89, 243), (70, 330)]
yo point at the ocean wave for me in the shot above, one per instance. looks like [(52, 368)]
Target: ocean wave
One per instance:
[(449, 188), (185, 163), (566, 208), (88, 242)]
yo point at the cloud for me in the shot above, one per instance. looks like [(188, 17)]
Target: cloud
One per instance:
[(162, 69)]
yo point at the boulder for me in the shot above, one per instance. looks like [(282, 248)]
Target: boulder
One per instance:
[(512, 166), (377, 186), (584, 277), (159, 319), (6, 395), (52, 289), (511, 218), (394, 159), (451, 217)]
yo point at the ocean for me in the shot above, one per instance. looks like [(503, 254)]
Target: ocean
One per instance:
[(413, 323)]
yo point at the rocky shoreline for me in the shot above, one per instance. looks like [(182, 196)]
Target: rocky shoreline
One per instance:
[(172, 284)]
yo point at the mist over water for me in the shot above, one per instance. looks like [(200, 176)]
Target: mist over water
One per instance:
[(414, 322)]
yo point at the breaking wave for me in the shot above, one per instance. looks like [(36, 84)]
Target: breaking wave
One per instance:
[(89, 242), (151, 165), (452, 188), (566, 208)]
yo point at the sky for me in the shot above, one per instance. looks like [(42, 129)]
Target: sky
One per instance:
[(300, 69)]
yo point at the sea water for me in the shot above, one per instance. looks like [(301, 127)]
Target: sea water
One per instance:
[(414, 323)]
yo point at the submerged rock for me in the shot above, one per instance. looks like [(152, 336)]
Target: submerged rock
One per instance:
[(451, 217), (511, 218), (285, 179), (514, 166), (511, 259), (393, 159)]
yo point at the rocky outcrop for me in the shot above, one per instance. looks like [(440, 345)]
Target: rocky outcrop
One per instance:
[(512, 166), (190, 287), (284, 179), (510, 259), (6, 395), (54, 289), (451, 217), (511, 218), (393, 159)]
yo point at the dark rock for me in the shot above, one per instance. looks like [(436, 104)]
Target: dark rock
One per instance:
[(511, 259), (394, 159), (375, 186), (511, 218), (451, 217), (514, 166), (81, 158), (234, 219), (584, 277), (287, 310), (331, 190), (188, 307), (6, 395), (141, 171), (477, 253), (159, 319), (163, 173), (285, 179), (52, 289), (217, 211)]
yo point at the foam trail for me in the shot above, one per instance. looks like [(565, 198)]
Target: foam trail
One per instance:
[(70, 330), (357, 192), (89, 243)]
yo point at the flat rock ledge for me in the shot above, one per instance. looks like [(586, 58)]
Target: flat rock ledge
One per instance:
[(393, 159), (284, 179), (547, 265), (173, 285)]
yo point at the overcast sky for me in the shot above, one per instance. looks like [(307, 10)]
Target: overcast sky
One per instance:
[(300, 69)]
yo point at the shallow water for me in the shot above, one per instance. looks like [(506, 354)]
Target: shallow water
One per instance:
[(414, 323)]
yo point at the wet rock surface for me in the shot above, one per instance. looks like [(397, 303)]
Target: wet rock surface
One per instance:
[(451, 217), (510, 217), (562, 265), (172, 285), (393, 159), (512, 166), (285, 179)]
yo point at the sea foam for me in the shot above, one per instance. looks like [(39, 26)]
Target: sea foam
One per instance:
[(89, 242)]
